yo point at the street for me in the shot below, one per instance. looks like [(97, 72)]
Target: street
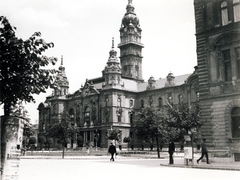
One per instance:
[(124, 169)]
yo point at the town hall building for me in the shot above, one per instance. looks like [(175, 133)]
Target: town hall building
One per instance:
[(114, 99)]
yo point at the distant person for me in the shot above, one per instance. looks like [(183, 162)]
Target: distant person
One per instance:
[(204, 151), (171, 150), (112, 151)]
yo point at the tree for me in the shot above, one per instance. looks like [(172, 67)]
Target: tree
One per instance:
[(63, 130), (115, 134), (186, 119), (127, 140), (152, 124), (28, 131), (41, 141), (19, 110), (49, 142), (22, 71), (32, 141)]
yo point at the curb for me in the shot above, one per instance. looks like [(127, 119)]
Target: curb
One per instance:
[(202, 167), (85, 157)]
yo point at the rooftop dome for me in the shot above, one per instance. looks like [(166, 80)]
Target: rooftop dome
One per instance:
[(130, 17)]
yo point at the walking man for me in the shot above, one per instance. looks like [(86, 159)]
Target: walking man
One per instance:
[(112, 151), (204, 152), (171, 150)]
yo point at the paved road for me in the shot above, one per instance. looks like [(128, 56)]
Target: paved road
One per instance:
[(121, 169)]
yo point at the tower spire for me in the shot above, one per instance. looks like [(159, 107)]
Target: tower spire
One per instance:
[(112, 70), (112, 42), (61, 81), (61, 60), (130, 45)]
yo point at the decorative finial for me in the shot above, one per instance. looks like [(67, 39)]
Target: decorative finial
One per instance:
[(129, 1), (61, 60), (113, 43)]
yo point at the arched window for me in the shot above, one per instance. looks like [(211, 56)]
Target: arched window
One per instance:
[(78, 121), (142, 104), (71, 113), (224, 13), (119, 102), (131, 118), (137, 70), (131, 103), (150, 100), (180, 99), (160, 102), (87, 115), (235, 115), (236, 10)]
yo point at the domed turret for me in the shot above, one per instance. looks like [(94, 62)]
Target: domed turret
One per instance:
[(61, 81), (112, 70), (130, 18)]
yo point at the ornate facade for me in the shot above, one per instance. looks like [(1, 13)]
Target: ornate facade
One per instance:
[(114, 99), (218, 56)]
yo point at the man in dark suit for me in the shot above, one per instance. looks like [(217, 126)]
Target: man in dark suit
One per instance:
[(171, 150), (204, 151), (112, 151)]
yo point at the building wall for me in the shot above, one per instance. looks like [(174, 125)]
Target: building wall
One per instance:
[(217, 31)]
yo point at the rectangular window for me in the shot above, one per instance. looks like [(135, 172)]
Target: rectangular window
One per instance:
[(236, 10), (238, 69), (224, 13), (227, 65), (237, 55), (235, 127), (209, 8), (119, 119), (235, 122)]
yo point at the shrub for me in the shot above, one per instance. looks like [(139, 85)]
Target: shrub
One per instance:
[(32, 140), (41, 140), (80, 141), (49, 142)]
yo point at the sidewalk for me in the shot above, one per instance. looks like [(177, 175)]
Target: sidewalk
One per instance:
[(179, 161), (235, 166)]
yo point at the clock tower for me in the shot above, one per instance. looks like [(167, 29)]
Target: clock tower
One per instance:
[(130, 45)]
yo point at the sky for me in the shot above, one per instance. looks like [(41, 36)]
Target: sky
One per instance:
[(82, 32)]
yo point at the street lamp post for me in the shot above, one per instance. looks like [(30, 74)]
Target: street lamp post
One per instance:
[(96, 137)]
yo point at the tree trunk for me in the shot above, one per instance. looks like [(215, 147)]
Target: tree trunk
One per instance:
[(6, 109), (3, 145), (192, 150), (63, 146), (3, 139), (11, 137), (3, 133), (158, 152)]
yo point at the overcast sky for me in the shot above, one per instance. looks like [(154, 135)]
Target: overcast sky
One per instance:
[(82, 32)]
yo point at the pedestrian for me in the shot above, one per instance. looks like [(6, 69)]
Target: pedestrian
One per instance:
[(204, 151), (112, 151), (171, 150)]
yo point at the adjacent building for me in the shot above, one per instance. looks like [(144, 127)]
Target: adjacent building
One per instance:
[(218, 57)]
